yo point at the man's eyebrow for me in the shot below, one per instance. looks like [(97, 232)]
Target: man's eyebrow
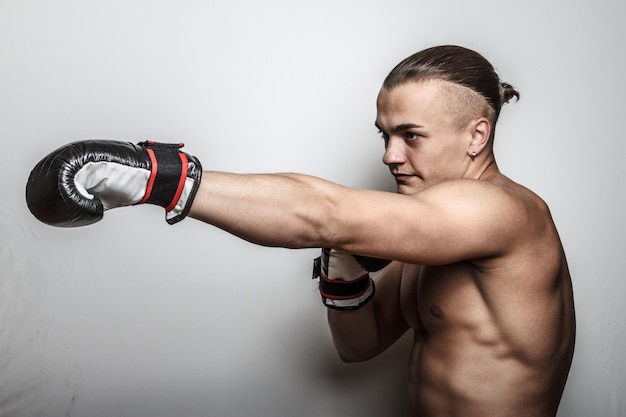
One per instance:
[(400, 127)]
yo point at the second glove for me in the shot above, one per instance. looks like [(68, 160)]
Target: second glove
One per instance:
[(345, 283)]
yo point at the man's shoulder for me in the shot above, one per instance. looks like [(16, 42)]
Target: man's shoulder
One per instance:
[(497, 204), (501, 191)]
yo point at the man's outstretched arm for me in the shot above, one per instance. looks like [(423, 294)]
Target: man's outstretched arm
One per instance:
[(456, 220)]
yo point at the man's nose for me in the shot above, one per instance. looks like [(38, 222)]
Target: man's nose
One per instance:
[(394, 152)]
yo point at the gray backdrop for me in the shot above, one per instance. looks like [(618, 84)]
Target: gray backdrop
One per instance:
[(132, 317)]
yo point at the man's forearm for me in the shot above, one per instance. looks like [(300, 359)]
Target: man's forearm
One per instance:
[(355, 333), (286, 210)]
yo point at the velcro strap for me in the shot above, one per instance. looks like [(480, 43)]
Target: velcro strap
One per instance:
[(338, 289), (343, 295), (168, 173), (343, 290)]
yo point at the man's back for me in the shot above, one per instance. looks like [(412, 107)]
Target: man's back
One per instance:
[(493, 336)]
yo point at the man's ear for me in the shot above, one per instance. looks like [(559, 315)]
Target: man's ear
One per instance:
[(479, 131)]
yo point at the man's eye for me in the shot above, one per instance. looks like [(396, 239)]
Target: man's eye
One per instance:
[(383, 136), (410, 136)]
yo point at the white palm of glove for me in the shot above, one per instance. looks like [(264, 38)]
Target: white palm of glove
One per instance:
[(114, 184)]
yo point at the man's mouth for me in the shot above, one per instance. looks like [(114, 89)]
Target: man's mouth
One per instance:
[(402, 177)]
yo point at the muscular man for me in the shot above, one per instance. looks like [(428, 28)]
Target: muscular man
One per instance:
[(477, 270)]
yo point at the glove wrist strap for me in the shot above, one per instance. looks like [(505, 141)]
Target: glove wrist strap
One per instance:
[(343, 295), (172, 183), (350, 303), (167, 176)]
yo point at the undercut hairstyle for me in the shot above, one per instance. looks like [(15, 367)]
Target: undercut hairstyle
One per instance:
[(460, 66)]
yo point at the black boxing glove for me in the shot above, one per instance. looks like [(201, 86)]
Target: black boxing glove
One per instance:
[(76, 183), (344, 280)]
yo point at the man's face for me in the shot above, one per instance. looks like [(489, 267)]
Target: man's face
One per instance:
[(424, 143)]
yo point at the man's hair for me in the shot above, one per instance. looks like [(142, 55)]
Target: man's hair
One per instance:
[(460, 66)]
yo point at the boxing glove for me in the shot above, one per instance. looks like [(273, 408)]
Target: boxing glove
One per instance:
[(76, 183), (344, 280)]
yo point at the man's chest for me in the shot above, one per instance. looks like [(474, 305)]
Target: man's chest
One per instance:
[(435, 296)]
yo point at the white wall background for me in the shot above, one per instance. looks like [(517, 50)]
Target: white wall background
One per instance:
[(132, 317)]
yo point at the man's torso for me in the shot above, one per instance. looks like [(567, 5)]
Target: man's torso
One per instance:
[(493, 337)]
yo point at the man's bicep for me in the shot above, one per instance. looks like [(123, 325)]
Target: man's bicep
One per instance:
[(441, 225)]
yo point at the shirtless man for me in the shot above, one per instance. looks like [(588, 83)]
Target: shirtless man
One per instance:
[(478, 272)]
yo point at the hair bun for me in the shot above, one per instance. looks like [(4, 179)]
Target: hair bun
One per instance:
[(507, 92)]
